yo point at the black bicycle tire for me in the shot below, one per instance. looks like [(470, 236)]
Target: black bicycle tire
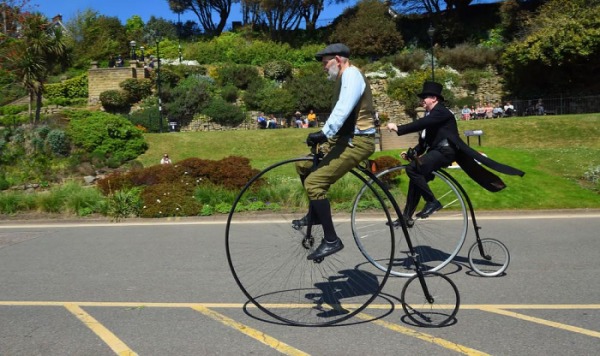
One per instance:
[(455, 249), (410, 311), (253, 298)]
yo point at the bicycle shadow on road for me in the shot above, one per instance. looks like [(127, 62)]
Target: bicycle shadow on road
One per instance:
[(332, 300)]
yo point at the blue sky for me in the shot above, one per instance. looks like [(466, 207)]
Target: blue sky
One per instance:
[(124, 9)]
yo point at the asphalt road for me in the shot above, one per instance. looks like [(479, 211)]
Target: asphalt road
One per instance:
[(164, 288)]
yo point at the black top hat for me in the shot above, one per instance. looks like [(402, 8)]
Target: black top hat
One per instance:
[(431, 89), (336, 49)]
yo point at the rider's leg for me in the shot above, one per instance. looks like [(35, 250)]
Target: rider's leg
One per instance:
[(341, 158), (421, 172)]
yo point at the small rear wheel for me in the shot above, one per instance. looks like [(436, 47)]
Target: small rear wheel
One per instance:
[(437, 311), (492, 260)]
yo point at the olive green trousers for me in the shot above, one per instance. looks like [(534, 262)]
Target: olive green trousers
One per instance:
[(341, 156)]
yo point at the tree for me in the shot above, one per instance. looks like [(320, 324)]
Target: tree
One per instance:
[(281, 16), (32, 57), (559, 52), (134, 28), (96, 37), (205, 9), (363, 37), (310, 10)]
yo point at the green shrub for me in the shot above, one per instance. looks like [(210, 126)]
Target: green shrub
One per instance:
[(106, 135), (404, 89), (408, 61), (277, 70), (471, 78), (311, 90), (115, 101), (184, 71), (168, 199), (229, 93), (187, 99), (13, 109), (147, 119), (168, 78), (136, 89), (224, 113), (124, 203), (465, 56), (185, 187), (58, 142), (70, 89), (12, 202), (4, 184), (239, 75)]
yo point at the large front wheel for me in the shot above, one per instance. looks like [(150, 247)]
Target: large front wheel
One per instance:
[(267, 254), (436, 239)]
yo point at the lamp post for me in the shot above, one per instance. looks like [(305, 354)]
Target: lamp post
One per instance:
[(160, 118), (431, 32), (132, 44), (142, 53), (179, 35)]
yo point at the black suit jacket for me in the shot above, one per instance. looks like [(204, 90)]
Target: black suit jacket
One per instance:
[(440, 124)]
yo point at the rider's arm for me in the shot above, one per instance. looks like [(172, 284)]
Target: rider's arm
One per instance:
[(353, 86)]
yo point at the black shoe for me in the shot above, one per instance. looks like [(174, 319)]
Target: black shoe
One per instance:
[(304, 221), (430, 208), (409, 222), (325, 249), (396, 223)]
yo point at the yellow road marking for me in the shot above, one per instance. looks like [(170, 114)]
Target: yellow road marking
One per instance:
[(307, 305), (118, 346), (253, 333), (553, 324), (423, 336)]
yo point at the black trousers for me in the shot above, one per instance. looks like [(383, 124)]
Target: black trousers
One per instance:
[(420, 172)]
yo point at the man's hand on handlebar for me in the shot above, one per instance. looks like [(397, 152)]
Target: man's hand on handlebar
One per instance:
[(409, 155), (316, 138)]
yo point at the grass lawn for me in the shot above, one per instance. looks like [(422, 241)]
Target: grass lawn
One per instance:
[(554, 151)]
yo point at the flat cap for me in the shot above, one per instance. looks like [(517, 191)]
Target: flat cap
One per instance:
[(335, 49)]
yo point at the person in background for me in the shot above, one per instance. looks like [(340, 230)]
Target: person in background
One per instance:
[(165, 159), (465, 113), (298, 120), (261, 121), (312, 119), (272, 122), (498, 111), (509, 109)]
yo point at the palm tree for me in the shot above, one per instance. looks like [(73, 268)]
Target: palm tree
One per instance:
[(38, 48)]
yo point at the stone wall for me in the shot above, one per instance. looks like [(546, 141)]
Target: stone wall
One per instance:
[(103, 79), (386, 106)]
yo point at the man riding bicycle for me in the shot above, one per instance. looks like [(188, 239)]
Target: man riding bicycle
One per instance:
[(439, 145), (348, 133)]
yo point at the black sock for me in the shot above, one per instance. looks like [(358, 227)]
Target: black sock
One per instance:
[(322, 210)]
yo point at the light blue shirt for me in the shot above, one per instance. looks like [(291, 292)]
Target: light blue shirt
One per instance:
[(353, 87)]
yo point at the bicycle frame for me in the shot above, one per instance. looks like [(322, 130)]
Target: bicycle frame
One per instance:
[(364, 169), (412, 253), (476, 227)]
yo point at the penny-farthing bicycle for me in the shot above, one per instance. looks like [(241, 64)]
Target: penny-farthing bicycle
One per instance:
[(268, 257), (436, 239)]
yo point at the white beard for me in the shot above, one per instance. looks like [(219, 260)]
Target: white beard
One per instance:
[(332, 72)]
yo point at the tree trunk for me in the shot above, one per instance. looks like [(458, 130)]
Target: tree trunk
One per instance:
[(38, 107)]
